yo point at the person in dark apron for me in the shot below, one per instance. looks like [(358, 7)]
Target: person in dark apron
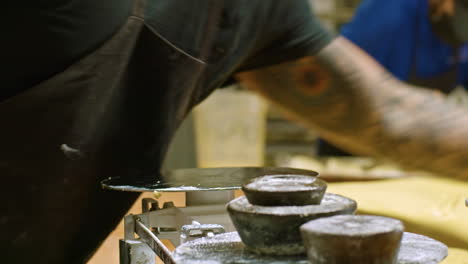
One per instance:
[(448, 31), (111, 108)]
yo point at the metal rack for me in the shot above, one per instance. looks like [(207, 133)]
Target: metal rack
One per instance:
[(204, 215)]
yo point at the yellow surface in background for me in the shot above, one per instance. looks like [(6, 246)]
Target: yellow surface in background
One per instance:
[(456, 256), (430, 206)]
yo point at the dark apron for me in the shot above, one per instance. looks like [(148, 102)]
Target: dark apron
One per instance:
[(110, 114)]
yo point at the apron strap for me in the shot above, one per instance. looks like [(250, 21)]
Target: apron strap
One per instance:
[(138, 8)]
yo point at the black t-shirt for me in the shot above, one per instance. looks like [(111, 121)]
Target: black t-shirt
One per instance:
[(43, 37)]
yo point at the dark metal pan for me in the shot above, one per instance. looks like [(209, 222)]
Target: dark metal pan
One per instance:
[(197, 179)]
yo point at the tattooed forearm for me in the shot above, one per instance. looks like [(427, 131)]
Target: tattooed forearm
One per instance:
[(353, 102)]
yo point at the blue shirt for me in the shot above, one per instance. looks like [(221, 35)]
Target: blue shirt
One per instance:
[(397, 33)]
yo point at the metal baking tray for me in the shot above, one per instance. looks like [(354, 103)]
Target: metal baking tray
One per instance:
[(198, 179)]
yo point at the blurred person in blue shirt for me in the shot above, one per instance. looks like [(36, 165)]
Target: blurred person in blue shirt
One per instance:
[(422, 42)]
